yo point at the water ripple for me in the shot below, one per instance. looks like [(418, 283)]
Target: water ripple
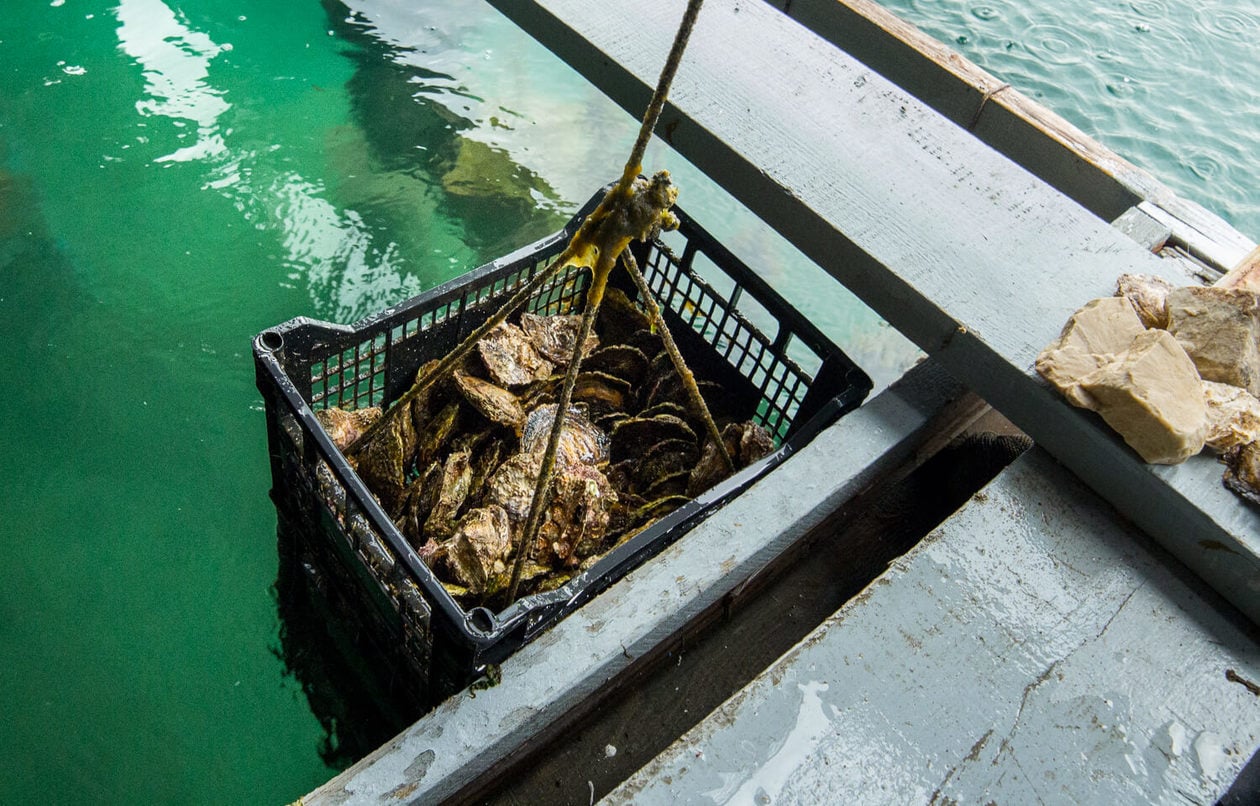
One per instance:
[(1151, 9), (1120, 85), (986, 13), (1170, 86), (176, 62), (1203, 165), (1236, 25), (1056, 44)]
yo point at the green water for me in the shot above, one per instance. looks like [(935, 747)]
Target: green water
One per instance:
[(175, 176), (1173, 86)]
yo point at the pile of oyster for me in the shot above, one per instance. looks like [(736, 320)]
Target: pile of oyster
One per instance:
[(458, 475)]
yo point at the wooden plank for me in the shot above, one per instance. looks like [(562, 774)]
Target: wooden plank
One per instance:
[(1144, 230), (1023, 129), (572, 666), (963, 251), (984, 668), (1205, 236), (1246, 273)]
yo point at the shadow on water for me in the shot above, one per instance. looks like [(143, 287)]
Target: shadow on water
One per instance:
[(422, 132), (346, 679)]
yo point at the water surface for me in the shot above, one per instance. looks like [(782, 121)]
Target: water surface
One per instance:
[(1172, 86)]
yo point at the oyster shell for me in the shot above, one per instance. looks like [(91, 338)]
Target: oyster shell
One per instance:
[(670, 484), (663, 459), (647, 340), (619, 317), (421, 495), (578, 513), (655, 510), (746, 442), (485, 462), (1149, 297), (580, 440), (754, 442), (624, 361), (456, 480), (1233, 416), (668, 407), (633, 436), (383, 462), (436, 434), (511, 357), (1242, 473), (512, 485), (344, 427), (602, 393), (496, 403), (556, 336), (582, 501), (477, 551)]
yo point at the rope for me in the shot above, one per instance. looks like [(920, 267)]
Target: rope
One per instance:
[(599, 278), (634, 165)]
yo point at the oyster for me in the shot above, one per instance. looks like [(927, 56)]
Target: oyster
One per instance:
[(582, 501), (654, 510), (580, 440), (421, 495), (746, 442), (647, 340), (623, 361), (1149, 297), (344, 427), (496, 403), (633, 436), (754, 442), (602, 393), (1233, 416), (670, 484), (436, 433), (511, 357), (382, 463), (668, 407), (512, 485), (663, 459), (665, 386), (577, 515), (485, 462), (556, 336), (456, 480), (1242, 473), (619, 317), (481, 544)]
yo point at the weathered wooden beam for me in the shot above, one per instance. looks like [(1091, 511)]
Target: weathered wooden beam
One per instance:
[(983, 668), (963, 251)]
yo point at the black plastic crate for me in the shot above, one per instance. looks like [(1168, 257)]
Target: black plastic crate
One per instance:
[(728, 323)]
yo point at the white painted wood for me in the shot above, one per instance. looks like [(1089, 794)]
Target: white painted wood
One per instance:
[(1035, 649), (966, 253)]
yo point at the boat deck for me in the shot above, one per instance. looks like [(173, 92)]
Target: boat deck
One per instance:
[(1035, 648), (1048, 641)]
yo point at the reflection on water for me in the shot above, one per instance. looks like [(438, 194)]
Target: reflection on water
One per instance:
[(176, 63), (421, 128), (346, 682)]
